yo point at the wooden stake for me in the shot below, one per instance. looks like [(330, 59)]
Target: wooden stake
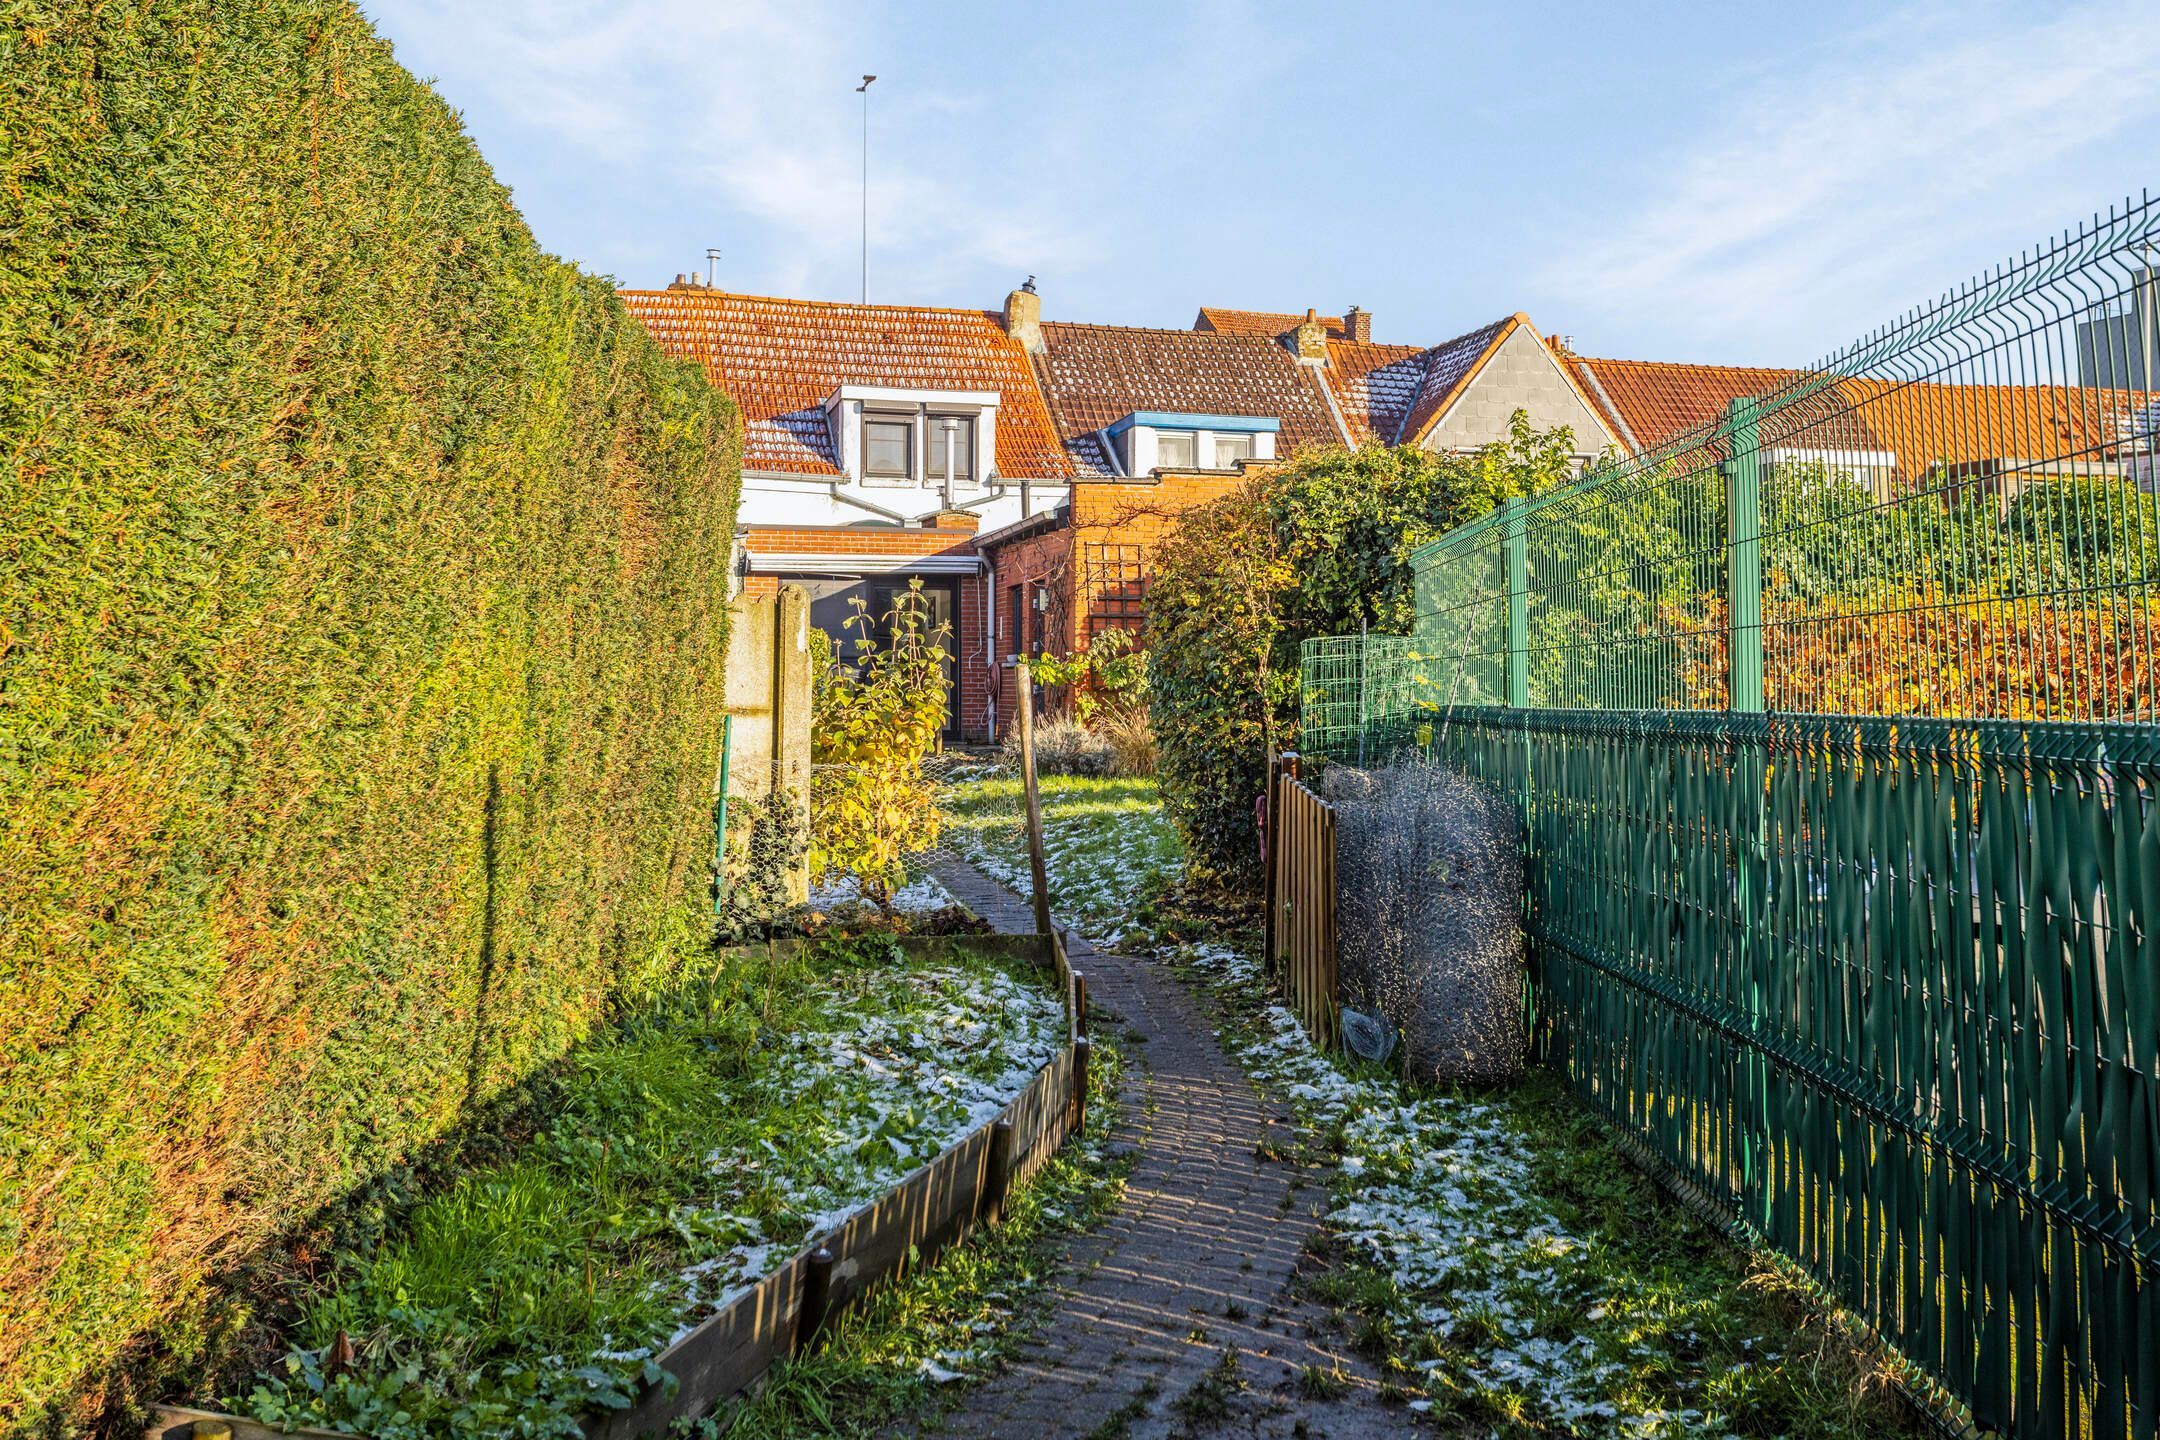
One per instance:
[(816, 1298), (1081, 1049), (997, 1172), (1036, 869)]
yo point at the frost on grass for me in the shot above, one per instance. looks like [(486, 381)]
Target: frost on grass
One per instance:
[(893, 1091), (881, 1068), (1439, 1193), (921, 895), (1106, 844)]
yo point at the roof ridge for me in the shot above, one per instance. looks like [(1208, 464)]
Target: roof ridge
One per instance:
[(1182, 332), (1686, 364), (707, 293)]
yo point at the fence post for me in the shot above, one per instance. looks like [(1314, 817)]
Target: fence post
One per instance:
[(1268, 841), (1743, 560), (1037, 872), (719, 814), (1515, 546)]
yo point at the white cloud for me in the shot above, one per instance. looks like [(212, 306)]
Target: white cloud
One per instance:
[(1829, 184), (745, 102)]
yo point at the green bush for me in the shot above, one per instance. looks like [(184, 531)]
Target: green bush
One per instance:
[(362, 581), (1320, 546)]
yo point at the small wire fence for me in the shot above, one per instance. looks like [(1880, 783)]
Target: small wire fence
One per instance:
[(1830, 720)]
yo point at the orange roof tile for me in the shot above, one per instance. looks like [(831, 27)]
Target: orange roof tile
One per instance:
[(1922, 423), (780, 360), (1649, 402), (1098, 374), (1263, 322), (1374, 386), (1929, 423), (1449, 367)]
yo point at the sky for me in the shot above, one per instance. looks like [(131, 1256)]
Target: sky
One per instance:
[(1731, 183)]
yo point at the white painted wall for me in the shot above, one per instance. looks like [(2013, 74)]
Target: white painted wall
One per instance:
[(807, 501)]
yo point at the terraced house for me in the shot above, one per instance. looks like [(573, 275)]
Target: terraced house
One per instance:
[(1022, 470)]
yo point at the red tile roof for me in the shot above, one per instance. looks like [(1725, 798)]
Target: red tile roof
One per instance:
[(1098, 374), (1263, 322), (1449, 367), (1374, 386), (781, 359), (1648, 402), (1924, 424), (1929, 424)]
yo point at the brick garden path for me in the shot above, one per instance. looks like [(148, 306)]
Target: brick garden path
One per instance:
[(1198, 1258)]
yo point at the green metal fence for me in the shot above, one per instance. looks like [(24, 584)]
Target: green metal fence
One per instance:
[(1831, 721)]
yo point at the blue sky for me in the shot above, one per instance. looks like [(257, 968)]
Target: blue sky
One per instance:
[(1730, 182)]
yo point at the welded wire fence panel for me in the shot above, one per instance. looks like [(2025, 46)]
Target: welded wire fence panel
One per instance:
[(1954, 516), (1890, 996), (1360, 696), (1831, 721)]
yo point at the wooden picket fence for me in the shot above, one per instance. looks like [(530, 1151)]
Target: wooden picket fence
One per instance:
[(1300, 870)]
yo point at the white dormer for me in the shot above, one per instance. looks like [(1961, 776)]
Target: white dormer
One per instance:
[(892, 437), (1151, 440)]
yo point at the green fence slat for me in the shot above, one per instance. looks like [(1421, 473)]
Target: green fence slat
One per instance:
[(1886, 992)]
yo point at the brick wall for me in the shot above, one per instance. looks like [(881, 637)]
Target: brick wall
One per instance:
[(1094, 565), (857, 540)]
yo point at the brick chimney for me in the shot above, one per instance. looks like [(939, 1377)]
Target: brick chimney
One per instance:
[(966, 522), (1310, 339), (1023, 316), (1357, 325)]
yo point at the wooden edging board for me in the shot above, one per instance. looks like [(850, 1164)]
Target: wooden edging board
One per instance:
[(932, 1208)]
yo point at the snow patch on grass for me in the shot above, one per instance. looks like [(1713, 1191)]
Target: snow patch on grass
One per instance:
[(1438, 1192)]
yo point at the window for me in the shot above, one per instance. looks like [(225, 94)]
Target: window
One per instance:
[(963, 448), (887, 443), (1011, 628), (1177, 450), (1229, 449)]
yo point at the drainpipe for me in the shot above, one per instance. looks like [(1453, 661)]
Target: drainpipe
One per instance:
[(950, 426)]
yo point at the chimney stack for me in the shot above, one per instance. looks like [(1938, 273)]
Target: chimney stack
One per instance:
[(1023, 317), (1357, 325), (1310, 339)]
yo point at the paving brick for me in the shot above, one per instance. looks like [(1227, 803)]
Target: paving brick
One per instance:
[(1138, 1306)]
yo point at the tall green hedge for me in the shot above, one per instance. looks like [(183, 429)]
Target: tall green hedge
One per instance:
[(362, 578)]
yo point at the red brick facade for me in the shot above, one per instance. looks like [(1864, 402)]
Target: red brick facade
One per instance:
[(1090, 563)]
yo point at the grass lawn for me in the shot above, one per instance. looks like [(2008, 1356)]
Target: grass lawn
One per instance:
[(1107, 846), (685, 1153)]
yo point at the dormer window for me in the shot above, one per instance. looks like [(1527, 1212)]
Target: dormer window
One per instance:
[(949, 437), (915, 437), (1150, 440), (888, 447)]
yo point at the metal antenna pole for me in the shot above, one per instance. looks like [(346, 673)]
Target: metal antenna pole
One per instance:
[(864, 91)]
